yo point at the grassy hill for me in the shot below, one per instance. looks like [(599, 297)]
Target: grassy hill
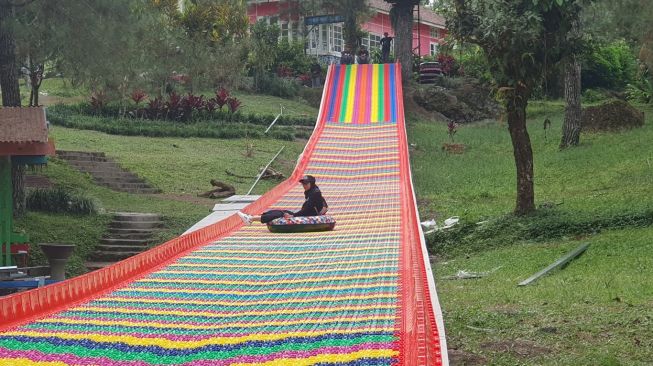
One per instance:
[(597, 311)]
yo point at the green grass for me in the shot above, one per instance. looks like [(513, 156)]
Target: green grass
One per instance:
[(186, 165), (608, 173), (267, 104), (182, 168), (597, 311)]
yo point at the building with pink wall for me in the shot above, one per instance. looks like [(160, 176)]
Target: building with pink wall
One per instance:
[(325, 41)]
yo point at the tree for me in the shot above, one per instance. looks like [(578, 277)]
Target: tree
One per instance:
[(512, 34), (401, 16), (264, 49), (571, 125), (11, 91)]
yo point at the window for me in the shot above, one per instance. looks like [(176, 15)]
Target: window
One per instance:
[(375, 42), (325, 37), (285, 34), (434, 49), (435, 33), (335, 38), (295, 31), (314, 38)]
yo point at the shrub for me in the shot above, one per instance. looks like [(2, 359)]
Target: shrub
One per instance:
[(279, 87), (611, 66), (59, 200), (545, 224)]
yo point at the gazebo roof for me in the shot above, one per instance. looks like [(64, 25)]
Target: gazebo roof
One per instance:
[(20, 125), (23, 131)]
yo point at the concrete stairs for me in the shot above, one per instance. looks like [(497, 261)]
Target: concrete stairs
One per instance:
[(128, 234), (106, 172)]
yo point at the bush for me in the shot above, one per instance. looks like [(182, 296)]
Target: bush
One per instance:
[(59, 200), (545, 224), (611, 66), (279, 87), (206, 129), (594, 95), (216, 117)]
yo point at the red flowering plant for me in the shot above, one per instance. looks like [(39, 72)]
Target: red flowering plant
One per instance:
[(233, 104), (138, 96), (221, 96), (452, 128), (448, 64)]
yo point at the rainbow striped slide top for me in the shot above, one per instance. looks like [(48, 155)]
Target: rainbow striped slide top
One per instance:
[(229, 294)]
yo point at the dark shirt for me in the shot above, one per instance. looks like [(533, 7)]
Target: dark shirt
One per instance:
[(316, 69), (313, 203), (385, 43), (346, 58)]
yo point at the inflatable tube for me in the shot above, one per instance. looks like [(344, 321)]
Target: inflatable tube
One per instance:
[(302, 224)]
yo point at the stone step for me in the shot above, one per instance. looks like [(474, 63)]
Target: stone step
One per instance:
[(138, 190), (93, 266), (79, 153), (108, 173), (118, 231), (113, 179), (125, 242), (136, 216), (104, 256), (135, 224), (128, 236), (104, 170), (120, 248), (97, 165), (81, 159), (125, 185)]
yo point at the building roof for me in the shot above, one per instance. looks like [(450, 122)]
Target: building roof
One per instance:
[(23, 125), (427, 15)]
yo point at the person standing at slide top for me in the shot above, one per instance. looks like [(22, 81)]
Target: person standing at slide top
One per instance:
[(386, 42)]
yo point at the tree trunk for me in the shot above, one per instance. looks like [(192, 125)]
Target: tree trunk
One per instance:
[(571, 126), (350, 33), (402, 22), (8, 69), (11, 97), (521, 144)]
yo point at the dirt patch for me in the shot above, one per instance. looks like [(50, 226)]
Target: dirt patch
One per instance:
[(206, 202), (611, 116), (461, 358), (519, 348)]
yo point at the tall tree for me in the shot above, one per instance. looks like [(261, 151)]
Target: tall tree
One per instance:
[(11, 90), (512, 34), (571, 125), (401, 16), (8, 65)]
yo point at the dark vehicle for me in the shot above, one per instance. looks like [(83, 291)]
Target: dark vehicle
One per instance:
[(429, 72)]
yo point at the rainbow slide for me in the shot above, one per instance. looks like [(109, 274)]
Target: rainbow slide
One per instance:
[(230, 294)]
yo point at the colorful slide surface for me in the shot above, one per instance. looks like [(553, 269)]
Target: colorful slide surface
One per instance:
[(230, 294)]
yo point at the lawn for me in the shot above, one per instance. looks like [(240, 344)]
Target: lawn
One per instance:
[(181, 168), (597, 311), (608, 173)]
